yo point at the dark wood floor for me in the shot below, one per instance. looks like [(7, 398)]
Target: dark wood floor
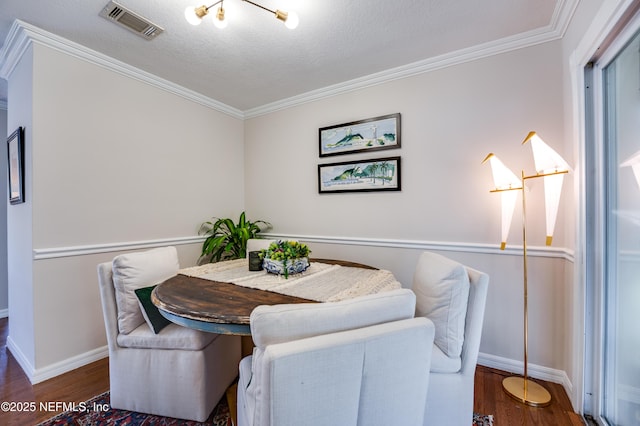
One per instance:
[(491, 399), (93, 379)]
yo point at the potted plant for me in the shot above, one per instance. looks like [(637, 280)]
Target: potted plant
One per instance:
[(228, 240), (285, 257)]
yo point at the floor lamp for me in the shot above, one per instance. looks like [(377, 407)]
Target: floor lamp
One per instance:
[(551, 167)]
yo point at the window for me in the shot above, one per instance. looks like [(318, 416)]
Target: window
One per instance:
[(612, 369)]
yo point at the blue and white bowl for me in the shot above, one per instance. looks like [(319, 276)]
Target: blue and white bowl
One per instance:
[(293, 266)]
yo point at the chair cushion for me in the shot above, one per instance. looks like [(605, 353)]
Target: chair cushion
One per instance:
[(136, 270), (283, 323), (172, 336), (150, 312), (442, 292), (440, 363)]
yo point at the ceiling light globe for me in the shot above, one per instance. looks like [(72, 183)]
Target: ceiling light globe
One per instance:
[(220, 22), (191, 16), (292, 20)]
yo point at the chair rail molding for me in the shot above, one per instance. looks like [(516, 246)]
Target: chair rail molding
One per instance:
[(463, 247), (57, 252)]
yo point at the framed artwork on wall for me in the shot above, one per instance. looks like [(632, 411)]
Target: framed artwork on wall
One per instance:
[(380, 174), (15, 149), (371, 134)]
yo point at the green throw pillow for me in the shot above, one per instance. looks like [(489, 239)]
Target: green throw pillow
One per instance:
[(150, 312)]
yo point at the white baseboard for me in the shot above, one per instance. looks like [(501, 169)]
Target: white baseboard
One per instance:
[(69, 364), (533, 370), (4, 313), (20, 357), (41, 374)]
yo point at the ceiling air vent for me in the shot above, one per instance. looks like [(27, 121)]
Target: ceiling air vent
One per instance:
[(130, 20)]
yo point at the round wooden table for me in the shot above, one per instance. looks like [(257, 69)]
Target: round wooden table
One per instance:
[(219, 307)]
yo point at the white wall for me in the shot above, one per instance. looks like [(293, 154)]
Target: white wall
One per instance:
[(114, 163), (19, 221), (451, 119), (4, 286)]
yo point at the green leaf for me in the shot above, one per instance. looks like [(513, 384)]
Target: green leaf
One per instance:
[(226, 239)]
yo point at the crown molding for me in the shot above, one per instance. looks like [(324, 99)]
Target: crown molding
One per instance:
[(562, 17), (22, 35), (555, 30), (14, 47)]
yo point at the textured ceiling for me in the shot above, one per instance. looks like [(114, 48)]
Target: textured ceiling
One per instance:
[(256, 60)]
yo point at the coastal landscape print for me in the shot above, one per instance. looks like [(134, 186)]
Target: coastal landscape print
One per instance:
[(382, 174), (363, 135)]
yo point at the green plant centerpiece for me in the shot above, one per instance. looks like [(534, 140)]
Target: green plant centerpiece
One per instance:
[(285, 257), (227, 240)]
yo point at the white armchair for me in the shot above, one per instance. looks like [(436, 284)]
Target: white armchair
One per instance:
[(177, 372), (363, 361), (454, 297)]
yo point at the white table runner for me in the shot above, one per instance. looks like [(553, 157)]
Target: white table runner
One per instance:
[(320, 282)]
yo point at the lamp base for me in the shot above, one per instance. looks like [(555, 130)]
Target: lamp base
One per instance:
[(526, 391)]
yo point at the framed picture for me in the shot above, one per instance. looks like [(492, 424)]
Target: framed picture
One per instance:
[(380, 174), (364, 135), (16, 166)]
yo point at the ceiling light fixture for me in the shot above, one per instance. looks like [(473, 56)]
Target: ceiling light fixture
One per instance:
[(194, 14)]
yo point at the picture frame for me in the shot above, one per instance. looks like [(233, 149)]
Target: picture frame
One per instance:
[(371, 134), (15, 149), (378, 174)]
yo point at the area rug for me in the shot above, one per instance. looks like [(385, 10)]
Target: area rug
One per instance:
[(482, 420), (110, 417), (87, 416)]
